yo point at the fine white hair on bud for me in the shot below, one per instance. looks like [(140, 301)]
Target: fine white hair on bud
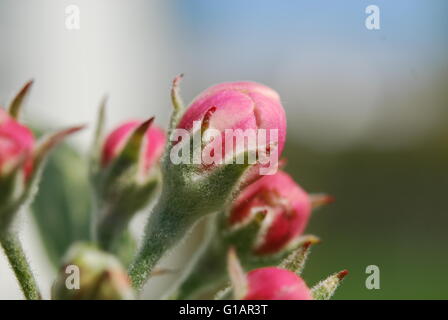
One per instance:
[(325, 289)]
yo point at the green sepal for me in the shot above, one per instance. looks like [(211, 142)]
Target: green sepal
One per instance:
[(121, 188), (12, 186), (129, 157), (296, 260), (95, 151), (46, 145), (176, 101), (325, 289), (208, 273), (15, 107)]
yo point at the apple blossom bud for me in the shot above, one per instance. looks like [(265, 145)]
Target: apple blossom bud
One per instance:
[(193, 189), (283, 206), (125, 173), (238, 105), (268, 283), (273, 283), (152, 147), (16, 145), (21, 159), (237, 111), (264, 223), (90, 274)]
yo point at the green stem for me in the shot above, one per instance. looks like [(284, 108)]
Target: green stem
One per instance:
[(14, 252), (109, 227), (166, 226)]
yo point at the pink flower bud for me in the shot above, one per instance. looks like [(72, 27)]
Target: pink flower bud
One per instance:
[(238, 105), (16, 144), (273, 283), (285, 205), (152, 150)]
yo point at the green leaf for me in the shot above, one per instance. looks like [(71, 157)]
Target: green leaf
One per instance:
[(62, 207)]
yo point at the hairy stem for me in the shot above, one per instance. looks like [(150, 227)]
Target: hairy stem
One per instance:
[(166, 226), (16, 257)]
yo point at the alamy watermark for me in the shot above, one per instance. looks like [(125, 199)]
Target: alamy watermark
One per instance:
[(373, 280), (373, 19), (72, 18), (233, 146), (72, 282)]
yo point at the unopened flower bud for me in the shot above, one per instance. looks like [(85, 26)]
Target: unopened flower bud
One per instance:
[(91, 274), (193, 188), (264, 223), (233, 107), (125, 175), (269, 283), (16, 145), (273, 283), (284, 209), (21, 158), (151, 149)]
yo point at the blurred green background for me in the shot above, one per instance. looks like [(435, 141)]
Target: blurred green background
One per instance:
[(391, 211)]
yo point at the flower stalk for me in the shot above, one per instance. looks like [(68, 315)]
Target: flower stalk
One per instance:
[(167, 224), (264, 224), (21, 165), (124, 174), (19, 264), (193, 190)]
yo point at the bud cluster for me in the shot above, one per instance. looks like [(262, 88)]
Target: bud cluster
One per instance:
[(219, 159)]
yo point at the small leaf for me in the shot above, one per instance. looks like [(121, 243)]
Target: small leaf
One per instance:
[(62, 208), (325, 289), (16, 104), (295, 262)]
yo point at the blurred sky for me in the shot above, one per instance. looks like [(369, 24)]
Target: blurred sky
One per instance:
[(331, 71), (341, 84)]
